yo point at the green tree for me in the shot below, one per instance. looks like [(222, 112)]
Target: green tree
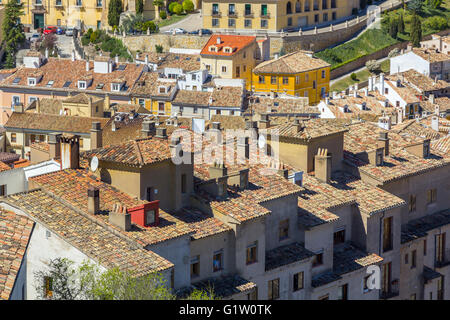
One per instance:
[(139, 6), (114, 11), (416, 31), (172, 5), (393, 28), (178, 9), (68, 282), (158, 4), (159, 48), (12, 31), (415, 6), (433, 4), (401, 24), (132, 21), (188, 6)]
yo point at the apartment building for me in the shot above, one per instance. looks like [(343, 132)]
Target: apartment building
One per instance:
[(437, 42), (296, 74), (274, 15)]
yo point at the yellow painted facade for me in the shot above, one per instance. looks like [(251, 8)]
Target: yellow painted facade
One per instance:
[(312, 84), (156, 107), (273, 15)]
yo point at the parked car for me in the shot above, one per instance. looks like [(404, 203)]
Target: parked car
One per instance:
[(204, 31), (177, 31), (35, 37), (50, 29), (69, 31), (60, 30)]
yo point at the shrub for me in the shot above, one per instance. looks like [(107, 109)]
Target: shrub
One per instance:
[(188, 6), (373, 66), (171, 6), (163, 15), (178, 9), (149, 25), (85, 40), (436, 23), (353, 76), (158, 48)]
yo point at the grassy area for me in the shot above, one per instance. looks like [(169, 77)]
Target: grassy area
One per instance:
[(373, 40), (361, 76), (171, 20)]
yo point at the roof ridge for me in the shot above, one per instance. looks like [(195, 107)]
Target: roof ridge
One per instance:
[(138, 150)]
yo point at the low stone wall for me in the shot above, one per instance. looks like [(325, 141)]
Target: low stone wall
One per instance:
[(148, 42)]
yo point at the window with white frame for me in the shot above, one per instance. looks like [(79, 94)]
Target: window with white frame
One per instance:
[(31, 81), (115, 86), (81, 84)]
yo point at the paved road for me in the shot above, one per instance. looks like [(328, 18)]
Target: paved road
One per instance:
[(191, 23)]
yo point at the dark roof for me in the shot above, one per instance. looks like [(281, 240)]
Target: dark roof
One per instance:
[(7, 157), (285, 255), (419, 227), (222, 287), (430, 274)]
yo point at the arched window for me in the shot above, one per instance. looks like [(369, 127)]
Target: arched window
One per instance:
[(288, 8), (298, 7)]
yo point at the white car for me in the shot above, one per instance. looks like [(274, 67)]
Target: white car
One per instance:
[(35, 37), (176, 31), (69, 31)]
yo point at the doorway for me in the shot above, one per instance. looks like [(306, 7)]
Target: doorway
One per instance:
[(38, 20)]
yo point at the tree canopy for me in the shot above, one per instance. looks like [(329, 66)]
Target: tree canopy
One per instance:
[(114, 11), (12, 31)]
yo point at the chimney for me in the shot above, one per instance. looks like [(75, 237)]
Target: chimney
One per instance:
[(146, 59), (431, 98), (54, 145), (87, 65), (38, 105), (322, 165), (217, 170), (73, 55), (161, 133), (376, 156), (70, 152), (93, 200), (297, 178), (215, 134), (218, 40), (383, 142), (370, 84), (243, 148), (46, 53), (382, 83), (276, 55), (264, 122), (113, 125), (120, 217), (384, 123), (148, 128), (399, 116), (116, 59), (421, 149), (240, 180), (96, 135), (106, 102), (435, 123), (298, 125)]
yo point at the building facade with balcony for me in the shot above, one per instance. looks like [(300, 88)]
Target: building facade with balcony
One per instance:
[(274, 15)]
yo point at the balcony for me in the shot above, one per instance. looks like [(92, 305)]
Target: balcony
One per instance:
[(265, 15), (99, 4), (58, 4), (444, 261), (248, 14), (216, 14), (392, 292), (232, 14)]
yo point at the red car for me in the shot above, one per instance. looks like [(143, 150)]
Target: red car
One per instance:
[(50, 29)]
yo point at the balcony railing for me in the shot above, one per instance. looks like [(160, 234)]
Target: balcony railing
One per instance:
[(248, 14), (444, 260), (215, 13), (265, 15), (393, 290), (232, 14)]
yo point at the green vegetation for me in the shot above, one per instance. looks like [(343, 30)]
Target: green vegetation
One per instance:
[(159, 48), (188, 6), (106, 43), (12, 31), (421, 18), (64, 281), (171, 19), (163, 15), (114, 11), (139, 6)]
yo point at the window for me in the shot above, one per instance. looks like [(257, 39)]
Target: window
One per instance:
[(238, 72), (195, 109), (264, 23), (333, 16), (325, 17), (149, 194), (412, 203), (58, 22), (141, 102), (323, 92), (298, 281), (224, 69), (431, 195), (386, 90), (58, 3), (217, 260), (440, 291), (314, 84), (273, 289), (208, 67), (162, 89), (248, 9), (31, 81), (3, 190), (316, 18), (387, 277), (318, 259), (32, 138), (215, 8), (285, 80), (48, 287), (343, 292), (440, 247), (387, 234), (339, 237), (231, 23), (115, 87), (273, 80), (425, 247), (323, 74), (283, 230), (264, 10), (13, 137), (297, 80), (150, 217), (247, 23), (413, 259), (261, 79), (81, 84), (215, 22), (252, 253), (195, 266), (99, 3), (31, 99), (406, 258), (289, 21), (365, 284), (298, 7), (161, 106), (231, 9), (183, 183), (288, 8), (324, 4)]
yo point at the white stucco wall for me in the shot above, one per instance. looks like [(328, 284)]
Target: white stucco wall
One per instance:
[(408, 61)]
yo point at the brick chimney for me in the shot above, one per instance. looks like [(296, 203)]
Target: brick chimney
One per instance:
[(70, 152), (96, 135), (383, 142), (93, 200), (264, 122), (376, 156), (161, 133), (120, 217), (54, 145), (322, 164), (148, 128)]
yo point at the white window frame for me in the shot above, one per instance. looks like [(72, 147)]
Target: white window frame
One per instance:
[(82, 85), (115, 87), (32, 81)]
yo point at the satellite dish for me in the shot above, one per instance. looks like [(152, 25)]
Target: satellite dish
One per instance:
[(94, 164)]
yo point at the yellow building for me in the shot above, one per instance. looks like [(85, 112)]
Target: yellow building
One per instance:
[(230, 56), (273, 15), (296, 74), (73, 13)]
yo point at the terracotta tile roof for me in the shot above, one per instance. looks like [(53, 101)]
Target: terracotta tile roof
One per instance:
[(15, 233), (285, 255), (202, 224), (93, 239), (8, 157), (4, 167), (443, 103), (222, 287), (61, 71), (312, 128), (420, 227), (186, 62), (236, 42), (82, 98), (282, 106), (139, 152), (400, 163), (47, 105), (442, 146), (72, 185), (127, 107), (192, 98), (49, 122), (416, 128), (291, 63), (149, 84), (21, 163), (407, 93), (421, 82), (231, 97), (41, 146), (227, 122), (431, 55)]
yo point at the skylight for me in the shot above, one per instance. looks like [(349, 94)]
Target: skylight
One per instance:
[(99, 86), (122, 67), (16, 81), (50, 83), (66, 84)]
